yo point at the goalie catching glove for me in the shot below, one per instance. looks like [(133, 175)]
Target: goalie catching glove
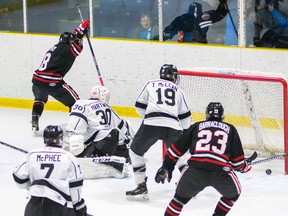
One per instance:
[(82, 29)]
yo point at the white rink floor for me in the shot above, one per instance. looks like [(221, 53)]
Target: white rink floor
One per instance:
[(262, 195)]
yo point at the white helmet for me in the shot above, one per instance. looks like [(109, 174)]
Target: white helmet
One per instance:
[(100, 93)]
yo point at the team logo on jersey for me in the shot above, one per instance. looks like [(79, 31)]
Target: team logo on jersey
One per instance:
[(226, 169), (205, 16), (52, 84)]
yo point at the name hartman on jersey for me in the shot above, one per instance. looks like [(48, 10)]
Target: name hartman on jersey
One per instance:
[(95, 106), (215, 124), (165, 84), (49, 158)]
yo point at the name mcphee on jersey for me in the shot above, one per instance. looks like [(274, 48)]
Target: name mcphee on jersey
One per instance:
[(49, 157), (165, 84), (215, 124)]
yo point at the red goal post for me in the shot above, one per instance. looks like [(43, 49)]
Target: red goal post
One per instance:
[(255, 104)]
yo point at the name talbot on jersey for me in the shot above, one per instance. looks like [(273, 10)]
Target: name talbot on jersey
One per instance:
[(216, 124), (49, 158), (165, 84)]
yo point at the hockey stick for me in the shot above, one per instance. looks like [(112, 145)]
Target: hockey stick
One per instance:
[(252, 157), (233, 24), (90, 46), (13, 147), (269, 159)]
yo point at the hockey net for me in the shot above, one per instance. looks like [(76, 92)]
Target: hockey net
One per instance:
[(255, 104)]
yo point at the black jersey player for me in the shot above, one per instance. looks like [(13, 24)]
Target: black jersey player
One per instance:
[(216, 151), (48, 78), (194, 25)]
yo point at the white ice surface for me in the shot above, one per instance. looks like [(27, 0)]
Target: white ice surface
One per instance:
[(262, 195)]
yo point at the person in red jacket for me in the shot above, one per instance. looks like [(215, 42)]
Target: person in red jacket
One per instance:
[(48, 78)]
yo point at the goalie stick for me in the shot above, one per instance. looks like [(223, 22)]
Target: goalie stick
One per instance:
[(90, 46), (269, 159), (13, 147)]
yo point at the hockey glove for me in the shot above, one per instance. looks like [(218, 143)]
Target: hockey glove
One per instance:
[(246, 167), (80, 208), (163, 174), (82, 29)]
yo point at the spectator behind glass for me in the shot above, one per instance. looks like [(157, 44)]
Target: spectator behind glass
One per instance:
[(231, 37), (267, 31), (194, 25), (146, 30)]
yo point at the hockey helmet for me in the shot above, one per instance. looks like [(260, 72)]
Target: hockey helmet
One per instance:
[(53, 136), (100, 93), (169, 72), (66, 37), (215, 111)]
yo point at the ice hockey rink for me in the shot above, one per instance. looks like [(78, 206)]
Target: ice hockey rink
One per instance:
[(262, 194)]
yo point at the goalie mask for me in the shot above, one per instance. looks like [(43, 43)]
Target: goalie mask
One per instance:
[(53, 136), (215, 111), (100, 93), (66, 37), (169, 72)]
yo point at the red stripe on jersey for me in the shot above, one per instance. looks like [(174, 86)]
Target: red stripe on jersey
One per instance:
[(237, 159), (45, 80), (208, 160), (48, 73), (73, 52), (71, 91), (175, 150)]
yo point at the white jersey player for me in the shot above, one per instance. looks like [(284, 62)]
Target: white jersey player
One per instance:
[(53, 178), (96, 129), (165, 113)]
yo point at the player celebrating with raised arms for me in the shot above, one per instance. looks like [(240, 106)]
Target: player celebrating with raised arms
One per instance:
[(48, 78), (216, 151), (163, 106), (53, 177)]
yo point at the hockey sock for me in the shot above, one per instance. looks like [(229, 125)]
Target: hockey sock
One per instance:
[(175, 206), (38, 108), (224, 205)]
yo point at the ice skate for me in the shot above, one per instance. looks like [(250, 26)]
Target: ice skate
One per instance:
[(35, 123), (138, 194)]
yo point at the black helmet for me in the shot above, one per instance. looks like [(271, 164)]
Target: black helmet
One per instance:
[(66, 37), (215, 111), (169, 72), (53, 136)]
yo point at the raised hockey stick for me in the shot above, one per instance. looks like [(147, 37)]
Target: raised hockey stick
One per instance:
[(13, 147), (90, 46), (269, 159)]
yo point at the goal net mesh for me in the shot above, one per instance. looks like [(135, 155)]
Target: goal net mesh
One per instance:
[(254, 104)]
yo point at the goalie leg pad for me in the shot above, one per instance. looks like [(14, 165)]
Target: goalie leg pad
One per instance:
[(104, 167)]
